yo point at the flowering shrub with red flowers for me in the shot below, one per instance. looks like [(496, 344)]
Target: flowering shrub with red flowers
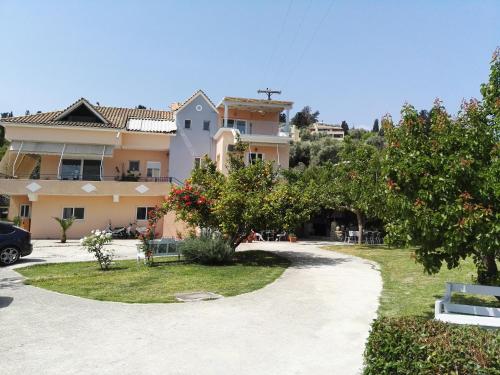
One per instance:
[(190, 204)]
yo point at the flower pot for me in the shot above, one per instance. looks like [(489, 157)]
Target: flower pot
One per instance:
[(292, 238)]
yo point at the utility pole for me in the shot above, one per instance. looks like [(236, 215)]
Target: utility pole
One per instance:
[(269, 92)]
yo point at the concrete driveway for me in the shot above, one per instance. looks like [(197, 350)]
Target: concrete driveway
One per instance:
[(313, 320)]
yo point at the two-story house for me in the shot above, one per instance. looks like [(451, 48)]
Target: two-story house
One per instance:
[(105, 165)]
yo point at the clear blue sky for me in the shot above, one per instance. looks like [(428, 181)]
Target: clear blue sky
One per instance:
[(351, 60)]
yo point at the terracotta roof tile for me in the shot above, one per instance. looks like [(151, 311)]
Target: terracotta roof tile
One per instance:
[(116, 118)]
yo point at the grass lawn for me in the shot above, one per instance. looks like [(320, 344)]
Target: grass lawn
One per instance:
[(407, 289), (131, 282)]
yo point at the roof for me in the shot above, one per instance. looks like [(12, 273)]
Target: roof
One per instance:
[(256, 101), (113, 117), (192, 97)]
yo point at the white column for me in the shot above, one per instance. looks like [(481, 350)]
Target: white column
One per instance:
[(225, 114)]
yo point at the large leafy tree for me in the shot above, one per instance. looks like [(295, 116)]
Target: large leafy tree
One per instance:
[(352, 184), (305, 117), (250, 197), (443, 182), (357, 182)]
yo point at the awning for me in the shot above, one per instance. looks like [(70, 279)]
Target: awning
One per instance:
[(70, 149)]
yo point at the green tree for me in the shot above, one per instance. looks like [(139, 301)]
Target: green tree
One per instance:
[(375, 128), (442, 182), (352, 184), (315, 152), (249, 197), (357, 182), (345, 127), (305, 117)]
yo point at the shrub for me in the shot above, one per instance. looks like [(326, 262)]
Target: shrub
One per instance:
[(65, 225), (419, 346), (94, 244), (207, 250)]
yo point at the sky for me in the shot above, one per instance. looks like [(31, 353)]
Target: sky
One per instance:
[(351, 60)]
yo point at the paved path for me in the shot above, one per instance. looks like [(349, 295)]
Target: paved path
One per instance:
[(313, 320)]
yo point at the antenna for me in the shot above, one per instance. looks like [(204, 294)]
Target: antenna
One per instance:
[(269, 92)]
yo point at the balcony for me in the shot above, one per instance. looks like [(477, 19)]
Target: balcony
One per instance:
[(106, 186)]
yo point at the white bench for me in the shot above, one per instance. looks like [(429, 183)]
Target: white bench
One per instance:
[(446, 311), (161, 247)]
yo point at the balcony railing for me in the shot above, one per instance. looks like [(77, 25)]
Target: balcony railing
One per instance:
[(125, 178)]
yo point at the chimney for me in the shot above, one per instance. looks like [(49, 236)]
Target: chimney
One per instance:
[(175, 106)]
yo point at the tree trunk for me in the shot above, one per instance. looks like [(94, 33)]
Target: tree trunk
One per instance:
[(490, 272), (361, 223), (63, 237)]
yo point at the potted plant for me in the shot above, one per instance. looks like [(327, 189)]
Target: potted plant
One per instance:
[(292, 237)]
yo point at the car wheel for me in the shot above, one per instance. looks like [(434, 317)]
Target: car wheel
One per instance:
[(9, 255)]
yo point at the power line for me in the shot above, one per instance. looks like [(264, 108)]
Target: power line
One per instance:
[(306, 47), (278, 39), (294, 38)]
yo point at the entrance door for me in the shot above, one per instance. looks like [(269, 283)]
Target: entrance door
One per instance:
[(25, 215)]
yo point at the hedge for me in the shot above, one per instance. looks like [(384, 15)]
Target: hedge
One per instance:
[(410, 345)]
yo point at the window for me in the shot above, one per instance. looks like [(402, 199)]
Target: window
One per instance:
[(187, 124), (230, 148), (77, 169), (206, 125), (254, 156), (143, 212), (77, 212), (133, 165), (71, 169), (24, 211), (91, 170), (197, 162), (154, 168), (241, 126)]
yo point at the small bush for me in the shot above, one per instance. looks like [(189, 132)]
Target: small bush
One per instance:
[(94, 244), (419, 346), (207, 250)]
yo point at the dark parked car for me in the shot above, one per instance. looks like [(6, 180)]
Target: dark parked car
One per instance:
[(15, 242)]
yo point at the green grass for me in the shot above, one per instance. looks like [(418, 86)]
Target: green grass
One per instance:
[(131, 282), (408, 291)]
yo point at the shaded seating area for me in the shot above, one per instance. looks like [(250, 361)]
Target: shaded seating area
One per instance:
[(370, 237)]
